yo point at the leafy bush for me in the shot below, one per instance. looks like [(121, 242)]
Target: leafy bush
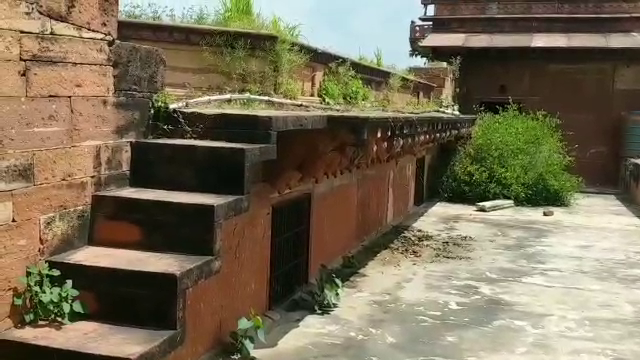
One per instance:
[(513, 155), (47, 299), (342, 86)]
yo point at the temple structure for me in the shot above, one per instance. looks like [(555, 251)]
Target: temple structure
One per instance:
[(577, 59)]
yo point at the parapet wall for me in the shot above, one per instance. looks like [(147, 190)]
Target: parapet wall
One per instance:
[(190, 73), (69, 106)]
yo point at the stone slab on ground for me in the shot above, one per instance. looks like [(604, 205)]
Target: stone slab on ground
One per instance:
[(494, 205), (564, 287)]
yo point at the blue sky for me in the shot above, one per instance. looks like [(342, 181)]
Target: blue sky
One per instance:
[(348, 27)]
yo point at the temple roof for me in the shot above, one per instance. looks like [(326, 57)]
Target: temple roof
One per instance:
[(532, 40)]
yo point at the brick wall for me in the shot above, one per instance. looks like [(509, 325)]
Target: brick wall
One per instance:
[(439, 75), (69, 107)]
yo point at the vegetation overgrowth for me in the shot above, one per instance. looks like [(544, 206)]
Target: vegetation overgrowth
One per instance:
[(514, 155), (275, 68)]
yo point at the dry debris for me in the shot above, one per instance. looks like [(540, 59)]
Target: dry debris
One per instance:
[(412, 242)]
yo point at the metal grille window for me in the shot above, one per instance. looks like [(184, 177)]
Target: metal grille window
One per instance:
[(289, 249), (420, 193)]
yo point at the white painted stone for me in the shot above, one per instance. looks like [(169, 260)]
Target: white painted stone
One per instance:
[(494, 205)]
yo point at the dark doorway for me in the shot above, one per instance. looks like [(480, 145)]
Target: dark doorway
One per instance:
[(420, 193), (289, 269)]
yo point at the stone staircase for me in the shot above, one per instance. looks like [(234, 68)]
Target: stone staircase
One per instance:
[(148, 244)]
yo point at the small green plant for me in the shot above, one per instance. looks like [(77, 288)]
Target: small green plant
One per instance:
[(328, 290), (341, 85), (391, 90), (270, 69), (160, 106), (45, 299), (513, 155), (244, 337), (378, 58)]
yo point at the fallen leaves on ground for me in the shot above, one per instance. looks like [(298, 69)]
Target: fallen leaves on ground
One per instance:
[(412, 242)]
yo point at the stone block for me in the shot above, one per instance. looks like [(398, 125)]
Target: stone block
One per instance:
[(6, 208), (13, 80), (111, 181), (9, 45), (56, 79), (23, 16), (138, 68), (108, 119), (64, 29), (95, 15), (55, 165), (16, 171), (64, 49), (19, 247), (65, 230), (494, 205), (115, 157), (34, 123), (40, 200)]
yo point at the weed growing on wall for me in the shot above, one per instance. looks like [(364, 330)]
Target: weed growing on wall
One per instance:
[(327, 292), (150, 11), (392, 88), (270, 69), (236, 14), (342, 86), (377, 60), (243, 339), (513, 155), (46, 298)]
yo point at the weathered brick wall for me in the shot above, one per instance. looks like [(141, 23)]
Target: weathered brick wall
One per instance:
[(65, 124), (441, 76), (345, 211), (190, 73)]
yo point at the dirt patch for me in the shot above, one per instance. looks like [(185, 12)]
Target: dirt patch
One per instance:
[(415, 243)]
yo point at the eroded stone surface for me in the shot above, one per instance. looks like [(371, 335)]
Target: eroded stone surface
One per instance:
[(562, 287), (65, 230), (34, 123), (64, 49), (95, 15), (60, 79), (138, 68), (13, 79)]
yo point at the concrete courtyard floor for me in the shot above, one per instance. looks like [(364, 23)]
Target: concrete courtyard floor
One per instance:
[(530, 287)]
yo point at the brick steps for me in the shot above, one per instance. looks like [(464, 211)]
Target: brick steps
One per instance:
[(196, 165), (160, 220), (147, 245), (131, 287), (87, 340)]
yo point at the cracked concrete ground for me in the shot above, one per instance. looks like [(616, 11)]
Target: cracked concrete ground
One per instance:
[(561, 287)]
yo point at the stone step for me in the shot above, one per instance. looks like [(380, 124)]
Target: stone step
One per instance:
[(241, 136), (216, 167), (160, 220), (134, 288), (87, 340)]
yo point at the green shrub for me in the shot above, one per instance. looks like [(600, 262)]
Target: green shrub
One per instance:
[(513, 155), (342, 86)]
